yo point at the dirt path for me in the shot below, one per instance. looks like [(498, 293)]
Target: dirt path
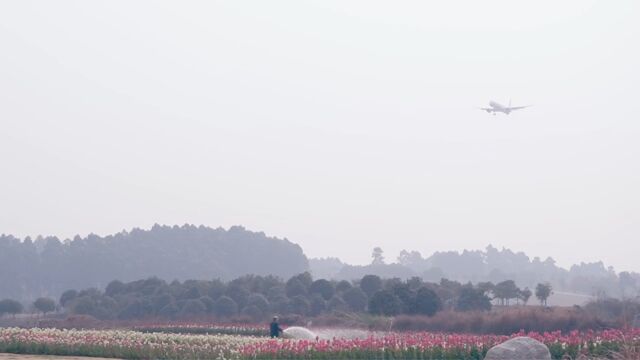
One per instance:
[(4, 356)]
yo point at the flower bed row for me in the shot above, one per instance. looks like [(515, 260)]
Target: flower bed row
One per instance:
[(204, 328), (121, 344), (425, 345), (417, 345)]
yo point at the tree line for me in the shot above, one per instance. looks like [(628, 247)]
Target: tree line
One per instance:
[(259, 297), (490, 264), (46, 266)]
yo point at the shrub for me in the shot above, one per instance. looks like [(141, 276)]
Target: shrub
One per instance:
[(504, 321)]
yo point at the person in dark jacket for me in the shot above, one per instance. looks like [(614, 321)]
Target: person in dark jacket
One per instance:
[(276, 330)]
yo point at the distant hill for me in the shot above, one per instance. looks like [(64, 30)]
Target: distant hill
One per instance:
[(592, 279), (351, 272), (47, 266), (325, 268)]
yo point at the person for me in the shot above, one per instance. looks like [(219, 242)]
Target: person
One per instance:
[(276, 330)]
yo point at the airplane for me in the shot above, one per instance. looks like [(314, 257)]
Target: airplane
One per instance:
[(495, 107)]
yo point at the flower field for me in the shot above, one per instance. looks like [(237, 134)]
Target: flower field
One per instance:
[(200, 328), (121, 344), (423, 345), (409, 345)]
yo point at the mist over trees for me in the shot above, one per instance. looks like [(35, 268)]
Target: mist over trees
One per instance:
[(47, 266), (491, 265)]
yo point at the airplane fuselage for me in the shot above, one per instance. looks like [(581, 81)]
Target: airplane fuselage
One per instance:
[(496, 107)]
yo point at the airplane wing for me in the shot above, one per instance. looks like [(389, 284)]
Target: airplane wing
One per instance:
[(486, 109), (518, 107)]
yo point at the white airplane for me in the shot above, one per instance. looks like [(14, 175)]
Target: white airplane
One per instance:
[(495, 107)]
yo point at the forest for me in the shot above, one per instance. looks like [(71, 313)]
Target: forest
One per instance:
[(47, 266)]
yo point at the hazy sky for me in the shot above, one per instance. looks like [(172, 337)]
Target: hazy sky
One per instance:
[(340, 125)]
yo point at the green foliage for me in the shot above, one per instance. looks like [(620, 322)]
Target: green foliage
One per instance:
[(343, 286), (259, 297), (323, 287), (254, 312), (208, 303), (136, 309), (114, 288), (300, 305), (44, 305), (259, 301), (169, 252), (427, 302), (225, 307), (10, 306), (169, 311), (542, 292), (471, 299), (305, 278), (280, 304), (385, 302), (295, 287), (505, 291), (217, 288), (370, 284), (193, 308), (356, 299), (239, 293), (317, 305), (336, 303), (67, 297), (161, 300), (524, 295)]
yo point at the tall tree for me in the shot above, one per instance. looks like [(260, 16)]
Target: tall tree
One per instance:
[(506, 290), (524, 295), (10, 306), (44, 305), (377, 256), (543, 291)]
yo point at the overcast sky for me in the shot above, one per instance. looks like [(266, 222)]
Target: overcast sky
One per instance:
[(340, 125)]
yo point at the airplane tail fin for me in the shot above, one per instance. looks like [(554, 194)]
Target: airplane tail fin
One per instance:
[(509, 102)]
